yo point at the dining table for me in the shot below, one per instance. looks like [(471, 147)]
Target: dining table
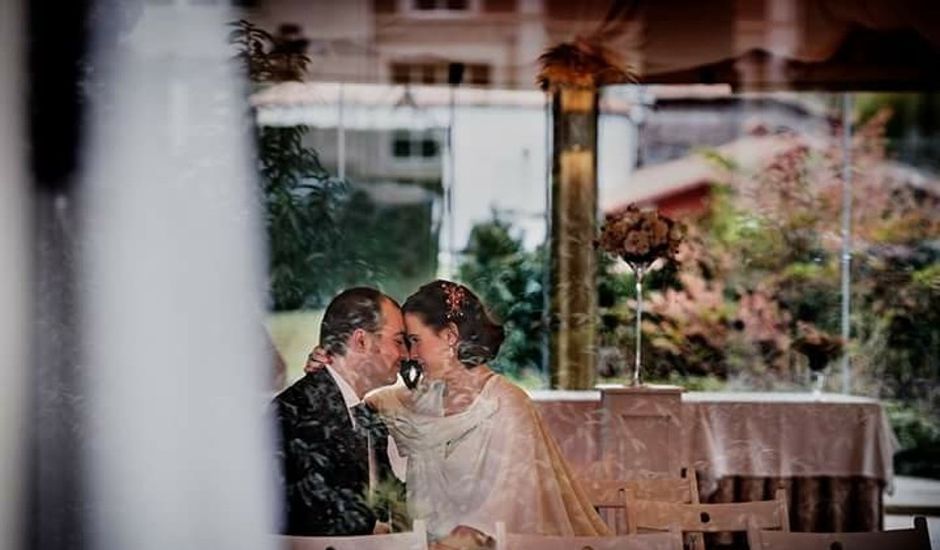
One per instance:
[(831, 452)]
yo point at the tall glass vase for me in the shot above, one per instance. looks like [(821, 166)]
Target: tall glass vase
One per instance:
[(817, 368), (638, 272)]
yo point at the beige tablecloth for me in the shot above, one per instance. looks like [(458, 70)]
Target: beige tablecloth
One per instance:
[(787, 435), (833, 453)]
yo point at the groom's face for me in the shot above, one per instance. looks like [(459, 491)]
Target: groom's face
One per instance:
[(388, 345)]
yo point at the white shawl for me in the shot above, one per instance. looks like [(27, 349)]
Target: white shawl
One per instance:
[(495, 461)]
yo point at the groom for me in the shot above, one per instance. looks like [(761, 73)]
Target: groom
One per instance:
[(333, 451)]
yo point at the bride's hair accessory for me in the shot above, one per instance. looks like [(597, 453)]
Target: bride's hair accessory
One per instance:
[(445, 304), (454, 297)]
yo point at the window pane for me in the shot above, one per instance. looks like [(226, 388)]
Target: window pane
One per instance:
[(401, 145), (429, 74), (425, 4), (401, 73), (479, 74), (456, 4), (429, 148)]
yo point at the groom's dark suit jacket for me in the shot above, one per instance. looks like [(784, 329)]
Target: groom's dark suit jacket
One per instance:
[(324, 460)]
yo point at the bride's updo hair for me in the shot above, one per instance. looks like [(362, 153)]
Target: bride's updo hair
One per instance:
[(442, 302)]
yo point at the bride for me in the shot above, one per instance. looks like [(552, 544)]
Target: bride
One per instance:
[(477, 449)]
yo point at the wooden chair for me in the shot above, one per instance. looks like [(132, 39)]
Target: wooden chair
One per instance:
[(607, 495), (901, 539), (654, 541), (698, 519), (417, 539)]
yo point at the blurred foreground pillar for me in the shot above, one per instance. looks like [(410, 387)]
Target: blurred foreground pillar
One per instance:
[(56, 40), (178, 452), (14, 257), (572, 73)]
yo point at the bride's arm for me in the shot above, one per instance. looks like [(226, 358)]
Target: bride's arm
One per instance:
[(385, 400)]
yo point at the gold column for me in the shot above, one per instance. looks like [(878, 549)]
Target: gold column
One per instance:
[(572, 72), (573, 228)]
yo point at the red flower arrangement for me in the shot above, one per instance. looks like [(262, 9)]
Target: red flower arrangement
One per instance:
[(640, 237)]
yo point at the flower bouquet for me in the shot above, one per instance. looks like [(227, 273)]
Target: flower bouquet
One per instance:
[(819, 348), (639, 238)]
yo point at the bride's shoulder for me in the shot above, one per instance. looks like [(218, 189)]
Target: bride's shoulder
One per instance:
[(507, 390)]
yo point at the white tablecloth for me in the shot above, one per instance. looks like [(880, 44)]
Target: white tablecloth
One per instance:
[(787, 435), (750, 434)]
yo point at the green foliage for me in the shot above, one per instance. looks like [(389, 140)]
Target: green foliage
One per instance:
[(390, 496), (913, 131), (395, 246), (304, 206), (913, 427), (918, 432), (811, 293), (305, 216), (927, 279), (760, 270), (323, 234), (764, 260), (899, 322), (509, 280), (773, 242), (265, 57)]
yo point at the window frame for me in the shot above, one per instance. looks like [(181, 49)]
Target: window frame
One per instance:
[(408, 7)]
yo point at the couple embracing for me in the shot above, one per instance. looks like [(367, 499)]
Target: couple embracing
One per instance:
[(469, 445)]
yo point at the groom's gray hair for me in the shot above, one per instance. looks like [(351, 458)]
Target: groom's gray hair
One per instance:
[(352, 309)]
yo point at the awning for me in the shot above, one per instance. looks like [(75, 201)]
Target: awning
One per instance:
[(391, 107), (785, 44), (375, 106)]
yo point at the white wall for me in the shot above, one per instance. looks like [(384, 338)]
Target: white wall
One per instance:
[(499, 150), (500, 162), (616, 152)]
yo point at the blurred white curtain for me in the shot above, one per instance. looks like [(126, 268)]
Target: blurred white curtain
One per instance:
[(14, 260), (178, 447)]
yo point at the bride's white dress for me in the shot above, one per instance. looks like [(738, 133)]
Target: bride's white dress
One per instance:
[(495, 461)]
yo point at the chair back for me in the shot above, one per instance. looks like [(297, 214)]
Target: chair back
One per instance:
[(917, 538), (652, 515), (608, 495), (417, 539), (653, 541)]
